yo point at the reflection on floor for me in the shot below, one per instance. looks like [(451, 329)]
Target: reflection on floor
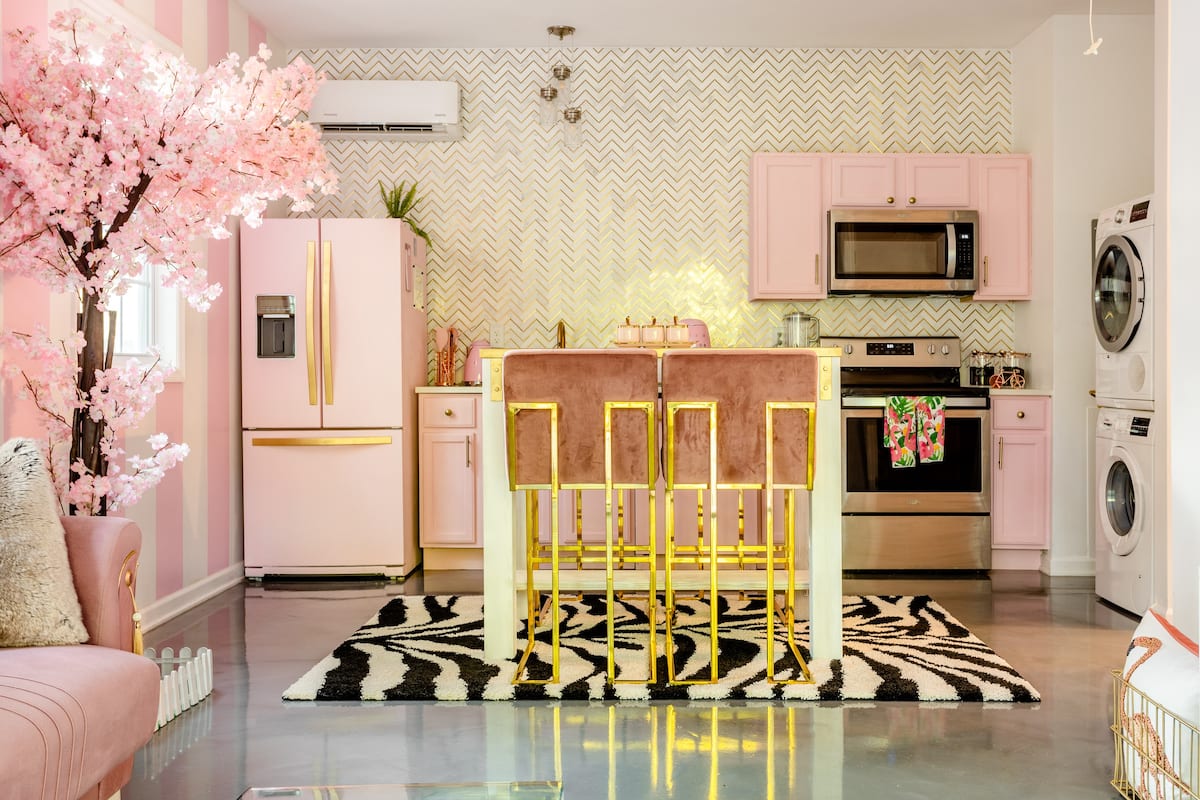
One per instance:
[(1053, 631)]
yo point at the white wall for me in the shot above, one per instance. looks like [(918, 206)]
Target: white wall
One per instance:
[(1088, 121), (1177, 251)]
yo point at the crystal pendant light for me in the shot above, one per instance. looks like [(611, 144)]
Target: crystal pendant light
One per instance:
[(561, 71), (573, 127), (548, 112), (555, 103)]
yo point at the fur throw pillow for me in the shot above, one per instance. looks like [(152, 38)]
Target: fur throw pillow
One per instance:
[(38, 604)]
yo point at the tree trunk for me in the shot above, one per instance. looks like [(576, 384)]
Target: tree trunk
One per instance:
[(87, 433)]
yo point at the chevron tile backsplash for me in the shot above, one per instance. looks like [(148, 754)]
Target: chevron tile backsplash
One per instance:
[(648, 218)]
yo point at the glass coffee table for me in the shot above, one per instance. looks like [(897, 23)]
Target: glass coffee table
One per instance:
[(521, 790)]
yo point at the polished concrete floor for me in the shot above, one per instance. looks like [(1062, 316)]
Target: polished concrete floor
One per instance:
[(1054, 632)]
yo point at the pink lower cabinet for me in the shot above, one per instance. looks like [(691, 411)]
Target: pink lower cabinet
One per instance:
[(451, 490), (1021, 472), (320, 502)]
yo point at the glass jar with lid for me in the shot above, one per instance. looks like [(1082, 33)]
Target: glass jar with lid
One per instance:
[(981, 366)]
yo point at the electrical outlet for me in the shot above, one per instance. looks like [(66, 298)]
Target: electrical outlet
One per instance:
[(496, 334)]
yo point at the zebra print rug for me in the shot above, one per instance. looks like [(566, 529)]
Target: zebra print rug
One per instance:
[(895, 648)]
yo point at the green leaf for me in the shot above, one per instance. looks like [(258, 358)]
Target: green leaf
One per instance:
[(410, 200), (400, 202)]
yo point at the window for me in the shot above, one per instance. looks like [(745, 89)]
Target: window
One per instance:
[(148, 317)]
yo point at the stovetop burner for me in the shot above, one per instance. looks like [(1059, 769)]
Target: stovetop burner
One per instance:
[(874, 368)]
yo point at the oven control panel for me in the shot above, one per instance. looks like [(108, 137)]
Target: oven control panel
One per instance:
[(890, 348), (900, 351)]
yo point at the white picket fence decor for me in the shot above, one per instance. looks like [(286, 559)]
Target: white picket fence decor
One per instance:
[(186, 680)]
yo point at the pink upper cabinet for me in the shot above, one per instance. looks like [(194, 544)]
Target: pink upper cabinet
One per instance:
[(936, 180), (863, 180), (900, 180), (1004, 219), (788, 199)]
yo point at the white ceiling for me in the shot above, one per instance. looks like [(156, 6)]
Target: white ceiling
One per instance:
[(669, 23)]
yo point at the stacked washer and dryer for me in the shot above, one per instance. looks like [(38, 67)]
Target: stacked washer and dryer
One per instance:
[(1123, 317)]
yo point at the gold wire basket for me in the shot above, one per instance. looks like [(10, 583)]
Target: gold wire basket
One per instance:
[(1156, 752)]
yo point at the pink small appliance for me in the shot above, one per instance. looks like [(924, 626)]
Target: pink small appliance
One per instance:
[(473, 366), (697, 332)]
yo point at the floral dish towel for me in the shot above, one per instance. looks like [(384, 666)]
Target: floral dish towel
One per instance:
[(913, 429)]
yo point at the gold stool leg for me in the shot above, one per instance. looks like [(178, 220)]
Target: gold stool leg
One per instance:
[(713, 614), (669, 543), (533, 597), (789, 549), (531, 536), (610, 600), (668, 589), (609, 556), (789, 505), (672, 409)]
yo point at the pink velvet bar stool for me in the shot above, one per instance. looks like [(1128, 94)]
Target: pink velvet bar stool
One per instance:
[(576, 420), (738, 420)]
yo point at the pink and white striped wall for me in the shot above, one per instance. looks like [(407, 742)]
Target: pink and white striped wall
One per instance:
[(192, 522)]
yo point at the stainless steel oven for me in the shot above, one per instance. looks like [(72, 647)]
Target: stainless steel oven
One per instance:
[(933, 516)]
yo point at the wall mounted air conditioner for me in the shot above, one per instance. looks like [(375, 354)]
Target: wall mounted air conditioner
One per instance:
[(396, 110)]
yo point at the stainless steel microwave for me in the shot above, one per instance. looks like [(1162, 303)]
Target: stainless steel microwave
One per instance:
[(885, 251)]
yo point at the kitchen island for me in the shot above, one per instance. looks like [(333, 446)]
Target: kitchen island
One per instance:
[(503, 534)]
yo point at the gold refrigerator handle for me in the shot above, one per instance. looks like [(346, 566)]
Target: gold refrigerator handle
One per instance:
[(310, 312), (1000, 463), (326, 339), (319, 441)]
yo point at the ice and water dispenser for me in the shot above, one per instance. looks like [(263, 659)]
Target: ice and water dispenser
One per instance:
[(276, 326)]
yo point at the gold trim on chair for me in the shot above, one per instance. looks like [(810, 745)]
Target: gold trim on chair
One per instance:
[(673, 408), (651, 556), (788, 613), (128, 577), (531, 534)]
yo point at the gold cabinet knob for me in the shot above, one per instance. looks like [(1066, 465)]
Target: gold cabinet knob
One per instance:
[(912, 200), (449, 412), (891, 200), (1020, 415)]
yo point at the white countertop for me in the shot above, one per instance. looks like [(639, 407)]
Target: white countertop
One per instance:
[(1022, 392), (457, 389)]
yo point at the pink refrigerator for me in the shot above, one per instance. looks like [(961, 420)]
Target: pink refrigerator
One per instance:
[(333, 344)]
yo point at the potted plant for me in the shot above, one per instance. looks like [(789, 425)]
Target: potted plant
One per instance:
[(400, 203)]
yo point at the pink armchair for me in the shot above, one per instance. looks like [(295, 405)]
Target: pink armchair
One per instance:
[(71, 718)]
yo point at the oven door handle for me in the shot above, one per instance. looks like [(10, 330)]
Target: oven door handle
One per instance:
[(881, 402)]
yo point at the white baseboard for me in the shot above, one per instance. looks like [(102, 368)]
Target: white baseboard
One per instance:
[(189, 597), (1017, 559), (1072, 567)]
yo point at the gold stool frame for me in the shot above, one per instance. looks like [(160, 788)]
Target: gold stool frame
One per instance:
[(535, 552), (740, 554)]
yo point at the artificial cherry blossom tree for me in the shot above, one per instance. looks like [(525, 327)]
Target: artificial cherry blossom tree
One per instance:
[(114, 157)]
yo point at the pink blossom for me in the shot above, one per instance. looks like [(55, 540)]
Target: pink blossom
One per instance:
[(114, 158)]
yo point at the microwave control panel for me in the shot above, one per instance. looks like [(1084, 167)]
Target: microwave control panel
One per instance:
[(964, 257)]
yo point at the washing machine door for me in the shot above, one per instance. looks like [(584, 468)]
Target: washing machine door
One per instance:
[(1118, 293), (1124, 501)]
